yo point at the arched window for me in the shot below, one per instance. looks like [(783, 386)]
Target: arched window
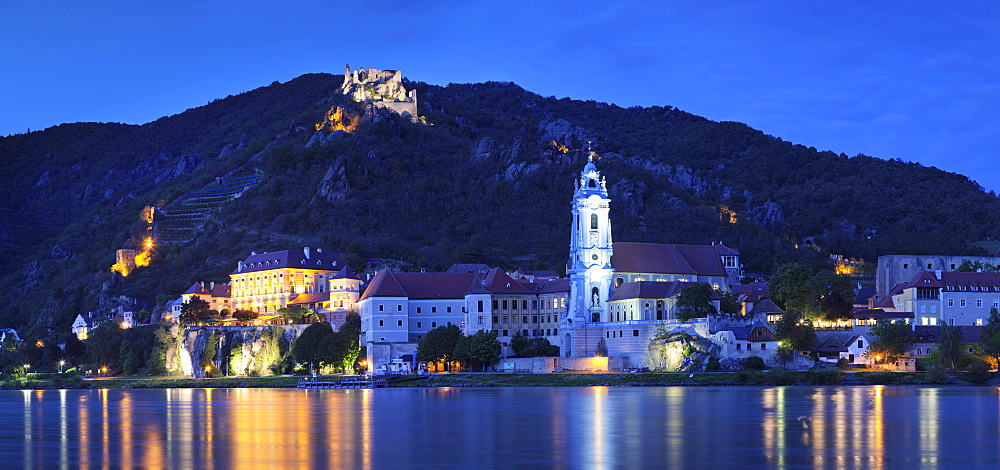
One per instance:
[(593, 221)]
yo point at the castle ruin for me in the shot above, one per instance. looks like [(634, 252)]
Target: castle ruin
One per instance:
[(381, 88)]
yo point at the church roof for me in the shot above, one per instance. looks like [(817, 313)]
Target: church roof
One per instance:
[(498, 282), (700, 260), (298, 259), (547, 286), (649, 290), (468, 268)]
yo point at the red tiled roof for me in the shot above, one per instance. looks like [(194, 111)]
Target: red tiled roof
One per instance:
[(983, 282), (766, 306), (310, 298), (290, 259), (498, 282), (218, 290), (701, 260), (923, 279), (384, 284), (346, 273)]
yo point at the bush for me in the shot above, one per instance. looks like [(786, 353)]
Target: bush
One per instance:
[(842, 363), (754, 363), (978, 372), (713, 364), (824, 376)]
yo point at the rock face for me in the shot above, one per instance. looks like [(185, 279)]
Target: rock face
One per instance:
[(681, 351), (768, 214), (334, 186), (241, 350)]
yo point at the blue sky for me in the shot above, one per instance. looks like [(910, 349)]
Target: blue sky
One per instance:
[(918, 81)]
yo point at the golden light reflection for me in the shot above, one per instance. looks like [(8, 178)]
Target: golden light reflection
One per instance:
[(339, 119), (597, 430), (929, 410)]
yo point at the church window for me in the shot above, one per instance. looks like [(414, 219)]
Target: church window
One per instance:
[(979, 302), (381, 323), (505, 318), (381, 307), (418, 309), (524, 304), (434, 309), (480, 320), (524, 319), (618, 282), (434, 324), (505, 332), (496, 319), (449, 310), (481, 306), (961, 303), (399, 322), (593, 221), (399, 307), (592, 184), (420, 324), (494, 304), (505, 304), (635, 332)]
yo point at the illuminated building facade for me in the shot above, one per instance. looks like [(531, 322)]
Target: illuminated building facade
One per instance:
[(267, 282)]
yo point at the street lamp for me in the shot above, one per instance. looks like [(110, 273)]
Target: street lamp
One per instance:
[(61, 364), (26, 367)]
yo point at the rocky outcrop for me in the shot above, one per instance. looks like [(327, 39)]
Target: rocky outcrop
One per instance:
[(185, 165), (483, 150), (629, 195), (44, 179), (241, 350), (681, 351), (767, 214), (334, 186), (562, 131)]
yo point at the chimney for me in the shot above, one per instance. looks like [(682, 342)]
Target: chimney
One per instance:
[(239, 266), (211, 285), (937, 274), (306, 251)]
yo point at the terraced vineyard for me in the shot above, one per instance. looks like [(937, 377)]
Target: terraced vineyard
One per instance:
[(181, 220)]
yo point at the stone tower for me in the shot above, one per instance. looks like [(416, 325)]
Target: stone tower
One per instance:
[(589, 267)]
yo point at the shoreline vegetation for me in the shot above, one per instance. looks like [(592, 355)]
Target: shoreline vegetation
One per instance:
[(776, 377)]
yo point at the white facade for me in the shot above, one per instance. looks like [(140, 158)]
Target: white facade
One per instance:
[(590, 253)]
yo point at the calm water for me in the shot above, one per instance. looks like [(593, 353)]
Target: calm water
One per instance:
[(871, 427)]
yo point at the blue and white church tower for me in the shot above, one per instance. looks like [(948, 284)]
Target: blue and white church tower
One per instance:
[(589, 266)]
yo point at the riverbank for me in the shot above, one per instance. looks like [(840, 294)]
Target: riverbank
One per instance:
[(647, 379)]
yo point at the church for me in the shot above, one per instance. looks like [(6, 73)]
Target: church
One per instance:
[(625, 293)]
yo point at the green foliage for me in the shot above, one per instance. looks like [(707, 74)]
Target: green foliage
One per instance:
[(209, 351), (245, 315), (728, 302), (195, 310), (306, 348), (989, 337), (163, 343), (104, 346), (480, 349), (524, 346), (978, 372), (273, 355), (236, 366), (977, 266), (889, 340), (816, 293), (137, 345), (298, 314), (695, 301), (12, 361), (825, 377), (713, 365), (438, 345), (75, 349), (949, 346), (795, 331), (602, 348), (754, 363)]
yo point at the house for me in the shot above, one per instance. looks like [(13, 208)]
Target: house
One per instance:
[(832, 346), (753, 340), (749, 294), (648, 300), (768, 310), (927, 339), (217, 295)]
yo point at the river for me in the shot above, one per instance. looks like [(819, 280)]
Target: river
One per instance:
[(587, 427)]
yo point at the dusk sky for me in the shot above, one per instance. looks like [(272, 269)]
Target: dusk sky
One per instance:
[(919, 81)]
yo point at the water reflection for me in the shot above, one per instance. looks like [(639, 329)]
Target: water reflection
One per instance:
[(781, 427)]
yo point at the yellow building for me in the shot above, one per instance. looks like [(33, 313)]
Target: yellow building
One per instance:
[(267, 282)]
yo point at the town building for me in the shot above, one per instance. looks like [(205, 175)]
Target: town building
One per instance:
[(268, 282), (895, 269), (946, 298)]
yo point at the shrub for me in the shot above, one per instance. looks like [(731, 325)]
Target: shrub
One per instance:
[(824, 376), (713, 364), (754, 363), (978, 372), (842, 363)]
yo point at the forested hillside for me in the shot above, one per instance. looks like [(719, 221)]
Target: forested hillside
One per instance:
[(486, 176)]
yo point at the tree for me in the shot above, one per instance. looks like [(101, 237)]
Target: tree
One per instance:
[(728, 303), (297, 314), (438, 345), (889, 340), (195, 310), (306, 348), (245, 315), (602, 348), (795, 331), (481, 348), (524, 346), (75, 348), (949, 349), (695, 301), (817, 294), (989, 337), (104, 346)]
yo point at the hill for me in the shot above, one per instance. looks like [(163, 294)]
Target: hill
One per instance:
[(485, 177)]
